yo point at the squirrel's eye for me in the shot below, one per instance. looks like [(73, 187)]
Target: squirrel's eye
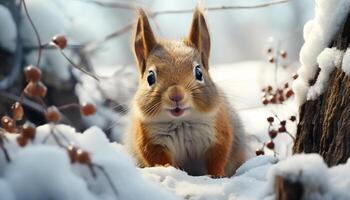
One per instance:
[(198, 73), (151, 78)]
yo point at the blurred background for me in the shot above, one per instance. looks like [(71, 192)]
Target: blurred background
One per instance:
[(99, 34), (237, 35)]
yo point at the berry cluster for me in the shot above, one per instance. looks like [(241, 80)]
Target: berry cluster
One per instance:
[(276, 96), (273, 131)]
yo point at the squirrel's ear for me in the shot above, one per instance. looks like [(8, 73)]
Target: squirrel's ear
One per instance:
[(144, 40), (199, 36)]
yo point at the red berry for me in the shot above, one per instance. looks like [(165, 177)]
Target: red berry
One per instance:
[(52, 114), (60, 41), (282, 129), (289, 93), (72, 153), (273, 99), (295, 76), (259, 152), (28, 131), (17, 111), (8, 124), (265, 101), (281, 98), (22, 141), (32, 73), (283, 54), (270, 145), (292, 118), (269, 88), (270, 119), (83, 157), (87, 109), (272, 133), (35, 89)]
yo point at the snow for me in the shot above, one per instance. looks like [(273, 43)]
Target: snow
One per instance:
[(319, 181), (346, 62), (329, 16), (328, 59), (8, 31), (43, 170)]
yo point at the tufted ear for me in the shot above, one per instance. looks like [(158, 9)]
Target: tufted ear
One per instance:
[(144, 40), (199, 36)]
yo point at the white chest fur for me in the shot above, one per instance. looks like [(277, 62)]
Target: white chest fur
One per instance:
[(186, 140)]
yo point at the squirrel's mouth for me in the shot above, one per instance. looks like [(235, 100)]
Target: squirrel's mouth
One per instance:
[(177, 111)]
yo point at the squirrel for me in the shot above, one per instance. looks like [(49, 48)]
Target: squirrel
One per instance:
[(178, 116)]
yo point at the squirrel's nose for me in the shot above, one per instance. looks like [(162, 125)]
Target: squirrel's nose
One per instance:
[(176, 98)]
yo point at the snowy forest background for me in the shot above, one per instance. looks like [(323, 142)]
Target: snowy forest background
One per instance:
[(254, 51)]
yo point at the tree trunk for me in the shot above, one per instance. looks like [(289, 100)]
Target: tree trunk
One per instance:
[(324, 125), (288, 190)]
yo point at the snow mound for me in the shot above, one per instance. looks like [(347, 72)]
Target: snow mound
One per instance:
[(42, 170), (319, 182), (8, 30)]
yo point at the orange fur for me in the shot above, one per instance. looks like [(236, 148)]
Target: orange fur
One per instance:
[(151, 154), (217, 155)]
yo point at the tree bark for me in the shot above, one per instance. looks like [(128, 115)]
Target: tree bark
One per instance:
[(324, 125), (288, 190)]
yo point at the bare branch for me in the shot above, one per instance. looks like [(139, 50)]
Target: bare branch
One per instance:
[(34, 29), (117, 5), (90, 47), (217, 8), (94, 45)]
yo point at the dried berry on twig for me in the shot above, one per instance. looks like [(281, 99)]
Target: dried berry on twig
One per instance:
[(87, 109), (32, 73), (35, 89), (259, 152), (28, 131), (8, 124), (22, 141), (52, 114), (17, 111), (60, 41)]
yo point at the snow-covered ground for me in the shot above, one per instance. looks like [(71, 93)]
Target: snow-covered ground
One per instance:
[(42, 170)]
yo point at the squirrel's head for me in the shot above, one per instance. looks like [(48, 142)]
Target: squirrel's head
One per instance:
[(174, 77)]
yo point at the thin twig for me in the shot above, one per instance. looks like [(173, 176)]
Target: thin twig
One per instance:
[(108, 178), (217, 8), (118, 5), (31, 104), (90, 47), (94, 76), (35, 31), (7, 156), (66, 106), (94, 45)]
